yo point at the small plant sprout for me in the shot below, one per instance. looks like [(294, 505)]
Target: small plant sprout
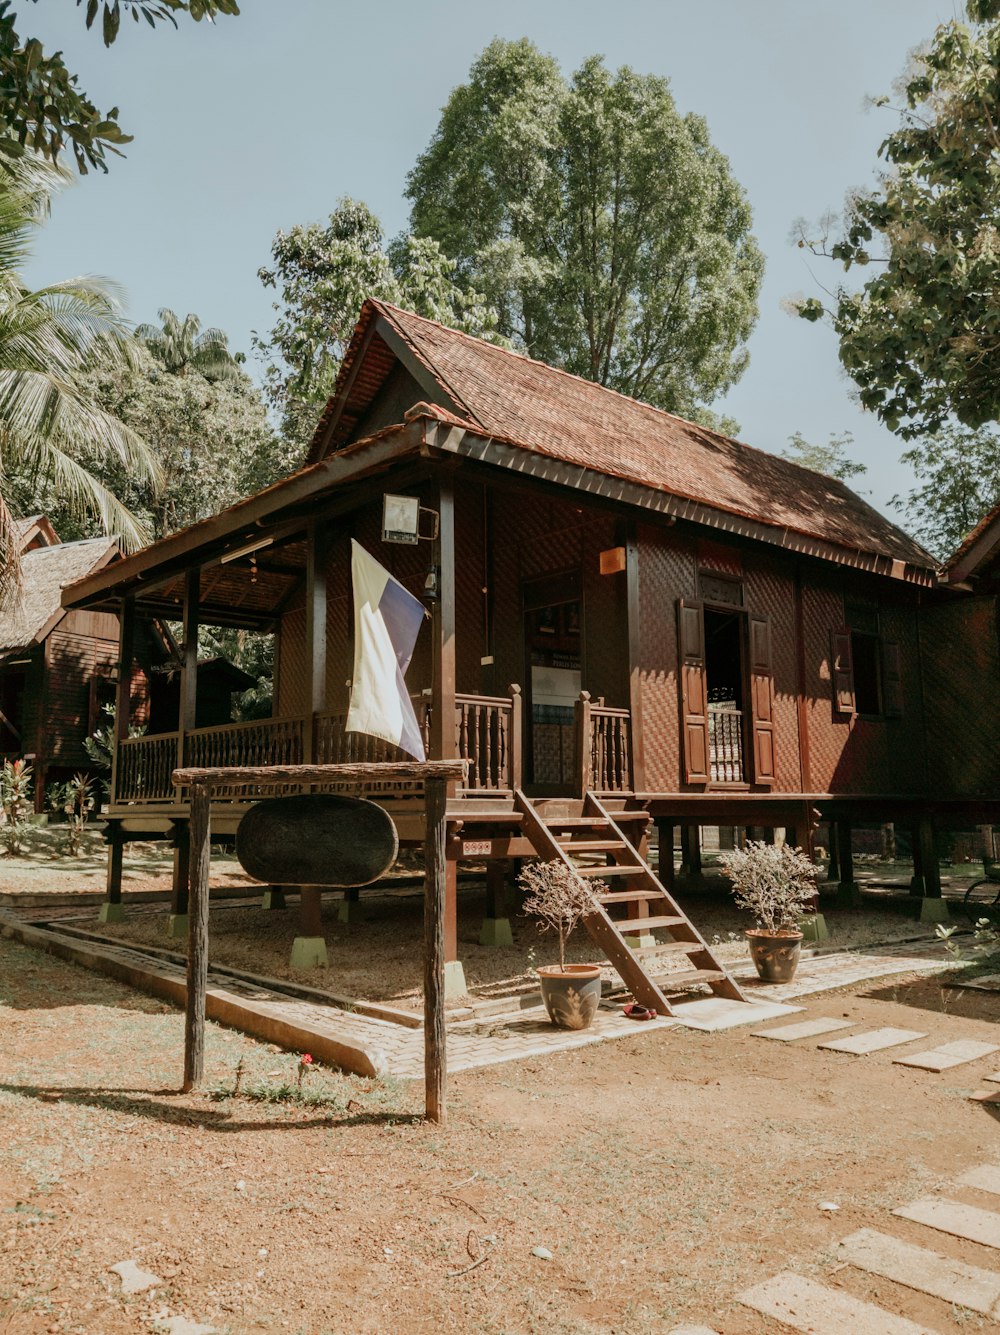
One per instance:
[(557, 898), (305, 1061), (776, 885), (16, 801)]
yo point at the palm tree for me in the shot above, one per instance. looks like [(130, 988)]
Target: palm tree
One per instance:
[(182, 346), (47, 339)]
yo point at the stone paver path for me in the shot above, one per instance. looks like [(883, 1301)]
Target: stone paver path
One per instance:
[(817, 1310), (986, 1177), (921, 1269), (961, 1221), (872, 1040), (945, 1056), (788, 1033)]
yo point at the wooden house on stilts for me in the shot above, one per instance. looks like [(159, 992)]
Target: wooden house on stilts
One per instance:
[(633, 620)]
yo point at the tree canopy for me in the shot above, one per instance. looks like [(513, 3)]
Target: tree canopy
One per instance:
[(958, 481), (832, 458), (322, 273), (51, 426), (44, 110), (602, 225), (921, 338)]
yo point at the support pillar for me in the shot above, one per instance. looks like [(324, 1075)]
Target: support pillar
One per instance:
[(349, 908), (691, 856), (315, 634), (113, 910), (833, 867), (309, 949), (933, 907), (177, 925), (848, 892), (665, 851), (917, 879), (495, 930), (273, 898)]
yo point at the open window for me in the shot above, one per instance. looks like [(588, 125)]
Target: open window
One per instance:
[(867, 668)]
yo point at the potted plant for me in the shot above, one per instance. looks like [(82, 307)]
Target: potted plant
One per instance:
[(558, 899), (777, 885)]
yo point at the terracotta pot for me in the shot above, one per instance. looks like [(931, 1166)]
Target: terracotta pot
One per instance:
[(571, 994), (775, 954)]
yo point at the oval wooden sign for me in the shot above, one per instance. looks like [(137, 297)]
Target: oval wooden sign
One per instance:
[(316, 839)]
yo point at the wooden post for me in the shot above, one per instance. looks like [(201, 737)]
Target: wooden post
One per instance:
[(435, 1060), (583, 744), (848, 894), (665, 851), (930, 866), (833, 870), (316, 548), (311, 910), (187, 710), (116, 848), (638, 776), (443, 683), (691, 850), (123, 687), (917, 879), (197, 961), (182, 868), (516, 737)]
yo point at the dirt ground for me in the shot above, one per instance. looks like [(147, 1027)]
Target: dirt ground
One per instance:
[(663, 1172)]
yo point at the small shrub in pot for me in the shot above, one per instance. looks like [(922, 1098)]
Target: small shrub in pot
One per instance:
[(557, 898), (776, 885)]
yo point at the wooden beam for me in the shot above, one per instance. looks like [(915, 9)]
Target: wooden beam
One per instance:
[(443, 618), (396, 771), (187, 705), (197, 961), (123, 687), (435, 879), (634, 616)]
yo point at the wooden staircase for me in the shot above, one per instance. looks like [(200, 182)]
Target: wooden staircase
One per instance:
[(566, 831)]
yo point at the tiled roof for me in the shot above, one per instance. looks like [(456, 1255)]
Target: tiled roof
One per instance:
[(551, 412)]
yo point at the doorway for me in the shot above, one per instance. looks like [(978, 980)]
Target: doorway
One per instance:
[(553, 637)]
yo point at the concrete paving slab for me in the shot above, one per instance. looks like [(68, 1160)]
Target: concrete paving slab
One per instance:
[(714, 1013), (961, 1221), (922, 1269), (986, 982), (815, 1309), (788, 1033), (995, 1077), (692, 1330), (986, 1177), (873, 1040), (985, 1096), (947, 1055)]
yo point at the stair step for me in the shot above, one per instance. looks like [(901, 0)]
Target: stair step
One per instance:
[(599, 872), (668, 948), (685, 976), (648, 924), (627, 896), (593, 845)]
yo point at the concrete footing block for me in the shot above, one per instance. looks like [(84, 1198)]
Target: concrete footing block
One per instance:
[(111, 912), (454, 979), (273, 899), (496, 932), (934, 910), (308, 952), (814, 928), (177, 926), (349, 910)]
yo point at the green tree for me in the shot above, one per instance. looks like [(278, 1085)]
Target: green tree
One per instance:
[(51, 427), (958, 482), (322, 273), (604, 227), (43, 110), (833, 458), (182, 346), (921, 338)]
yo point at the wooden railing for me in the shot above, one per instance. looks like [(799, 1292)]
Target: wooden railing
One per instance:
[(725, 744), (335, 746), (488, 736), (144, 767), (266, 741), (603, 747)]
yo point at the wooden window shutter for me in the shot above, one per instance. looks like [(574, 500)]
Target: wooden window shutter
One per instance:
[(892, 679), (842, 671), (762, 699), (693, 691)]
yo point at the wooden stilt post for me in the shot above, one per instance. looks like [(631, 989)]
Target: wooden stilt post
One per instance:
[(435, 1063), (197, 962), (833, 869), (930, 866), (112, 910), (917, 879), (848, 894)]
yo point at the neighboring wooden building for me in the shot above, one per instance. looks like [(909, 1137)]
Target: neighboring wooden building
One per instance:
[(57, 666), (699, 632)]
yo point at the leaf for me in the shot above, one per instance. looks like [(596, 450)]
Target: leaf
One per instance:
[(112, 21)]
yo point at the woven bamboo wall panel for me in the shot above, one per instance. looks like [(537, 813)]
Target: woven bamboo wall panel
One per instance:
[(290, 697), (770, 592), (667, 571), (73, 661), (508, 623), (470, 579), (961, 684)]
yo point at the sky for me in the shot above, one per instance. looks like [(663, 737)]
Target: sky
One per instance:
[(265, 120)]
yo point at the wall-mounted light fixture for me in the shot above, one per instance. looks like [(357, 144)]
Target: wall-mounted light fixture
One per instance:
[(401, 520)]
